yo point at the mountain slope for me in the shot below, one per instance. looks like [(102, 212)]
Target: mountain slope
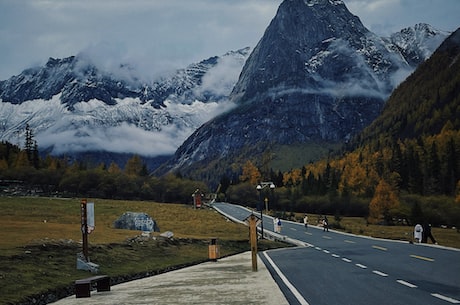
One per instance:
[(425, 101), (72, 106), (316, 76)]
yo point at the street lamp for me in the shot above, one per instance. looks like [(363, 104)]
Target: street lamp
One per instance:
[(259, 188)]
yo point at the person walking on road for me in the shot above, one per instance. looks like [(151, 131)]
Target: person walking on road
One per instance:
[(305, 222), (418, 231), (426, 233), (275, 224), (325, 224)]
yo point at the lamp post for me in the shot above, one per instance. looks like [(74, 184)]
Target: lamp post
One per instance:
[(259, 188)]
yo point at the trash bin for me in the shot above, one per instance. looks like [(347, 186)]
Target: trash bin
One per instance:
[(213, 249)]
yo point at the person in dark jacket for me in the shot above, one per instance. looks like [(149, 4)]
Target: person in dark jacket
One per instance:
[(427, 234)]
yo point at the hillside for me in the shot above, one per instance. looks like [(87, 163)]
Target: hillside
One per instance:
[(425, 101)]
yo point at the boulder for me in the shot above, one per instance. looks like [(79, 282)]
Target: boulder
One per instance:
[(136, 221)]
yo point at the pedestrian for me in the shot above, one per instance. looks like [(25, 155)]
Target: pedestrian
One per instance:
[(275, 224), (279, 225), (305, 222), (418, 231), (426, 233), (325, 224)]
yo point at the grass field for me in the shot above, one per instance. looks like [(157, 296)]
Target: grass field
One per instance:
[(40, 238)]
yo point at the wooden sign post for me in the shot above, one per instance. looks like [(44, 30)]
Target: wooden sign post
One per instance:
[(253, 221), (84, 227)]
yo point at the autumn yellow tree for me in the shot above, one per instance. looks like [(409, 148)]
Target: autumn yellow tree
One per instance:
[(294, 177), (133, 166), (384, 201), (250, 173), (114, 168)]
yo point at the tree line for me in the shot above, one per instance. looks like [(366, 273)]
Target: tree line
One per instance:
[(24, 172), (386, 181)]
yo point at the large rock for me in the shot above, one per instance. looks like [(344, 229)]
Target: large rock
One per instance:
[(136, 221)]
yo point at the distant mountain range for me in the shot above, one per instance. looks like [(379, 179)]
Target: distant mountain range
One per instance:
[(73, 107), (316, 76)]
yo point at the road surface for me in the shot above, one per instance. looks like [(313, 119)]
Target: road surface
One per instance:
[(338, 268)]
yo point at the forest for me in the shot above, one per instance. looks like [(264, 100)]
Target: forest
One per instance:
[(388, 182)]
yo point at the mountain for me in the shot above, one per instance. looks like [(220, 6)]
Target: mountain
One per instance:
[(74, 107), (315, 79), (317, 76), (422, 105)]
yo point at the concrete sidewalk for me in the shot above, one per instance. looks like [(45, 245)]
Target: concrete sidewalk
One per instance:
[(227, 281)]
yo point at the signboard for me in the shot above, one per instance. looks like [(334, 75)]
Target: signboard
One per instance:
[(90, 217)]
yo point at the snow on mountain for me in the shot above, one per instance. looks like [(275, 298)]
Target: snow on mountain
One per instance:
[(317, 75), (71, 106)]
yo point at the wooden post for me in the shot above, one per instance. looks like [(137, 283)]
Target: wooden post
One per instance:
[(253, 239), (84, 228)]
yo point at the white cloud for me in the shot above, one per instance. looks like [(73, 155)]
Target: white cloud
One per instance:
[(156, 35), (388, 16), (151, 35)]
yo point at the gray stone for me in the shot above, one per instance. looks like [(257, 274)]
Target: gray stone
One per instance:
[(136, 221)]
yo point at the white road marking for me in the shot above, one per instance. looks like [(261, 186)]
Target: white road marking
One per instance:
[(291, 287), (318, 248), (361, 266), (335, 255), (406, 284), (442, 297), (326, 251), (346, 260), (380, 273)]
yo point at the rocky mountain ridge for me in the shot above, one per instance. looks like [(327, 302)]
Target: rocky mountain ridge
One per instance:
[(317, 75)]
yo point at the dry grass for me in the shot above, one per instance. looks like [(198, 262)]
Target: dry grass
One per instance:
[(40, 237), (26, 220)]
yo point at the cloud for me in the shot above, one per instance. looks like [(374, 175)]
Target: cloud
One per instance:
[(385, 17), (80, 133), (220, 79), (151, 35), (124, 138)]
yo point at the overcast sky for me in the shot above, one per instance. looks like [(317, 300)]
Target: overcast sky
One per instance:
[(155, 35)]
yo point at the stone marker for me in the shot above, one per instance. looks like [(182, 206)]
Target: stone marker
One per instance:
[(136, 221)]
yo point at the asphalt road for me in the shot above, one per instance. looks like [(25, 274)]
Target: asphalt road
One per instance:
[(337, 268)]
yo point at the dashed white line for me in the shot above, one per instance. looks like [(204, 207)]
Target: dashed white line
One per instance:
[(326, 251), (379, 273), (442, 297), (318, 248), (361, 266), (346, 260), (406, 284), (335, 255)]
